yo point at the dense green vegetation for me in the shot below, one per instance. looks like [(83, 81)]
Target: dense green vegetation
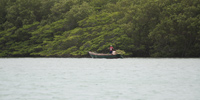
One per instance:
[(70, 28)]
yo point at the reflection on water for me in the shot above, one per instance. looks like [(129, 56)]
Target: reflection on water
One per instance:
[(99, 79)]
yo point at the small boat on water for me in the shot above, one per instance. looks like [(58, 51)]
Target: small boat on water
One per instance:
[(101, 55)]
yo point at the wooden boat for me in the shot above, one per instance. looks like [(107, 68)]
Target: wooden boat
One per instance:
[(101, 55)]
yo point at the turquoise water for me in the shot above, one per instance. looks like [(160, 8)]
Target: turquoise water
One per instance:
[(99, 79)]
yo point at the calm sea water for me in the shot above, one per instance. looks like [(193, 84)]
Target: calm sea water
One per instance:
[(99, 79)]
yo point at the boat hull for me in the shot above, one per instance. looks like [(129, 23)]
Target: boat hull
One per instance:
[(98, 55)]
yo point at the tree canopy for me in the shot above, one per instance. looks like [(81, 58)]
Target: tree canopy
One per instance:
[(71, 28)]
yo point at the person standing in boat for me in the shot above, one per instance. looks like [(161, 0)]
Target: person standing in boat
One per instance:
[(111, 49)]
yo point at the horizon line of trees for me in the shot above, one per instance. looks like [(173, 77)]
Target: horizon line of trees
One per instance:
[(70, 28)]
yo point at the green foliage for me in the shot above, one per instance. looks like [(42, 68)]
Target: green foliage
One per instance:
[(71, 28), (122, 52)]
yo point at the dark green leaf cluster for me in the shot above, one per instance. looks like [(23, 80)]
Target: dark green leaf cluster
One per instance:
[(71, 28)]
